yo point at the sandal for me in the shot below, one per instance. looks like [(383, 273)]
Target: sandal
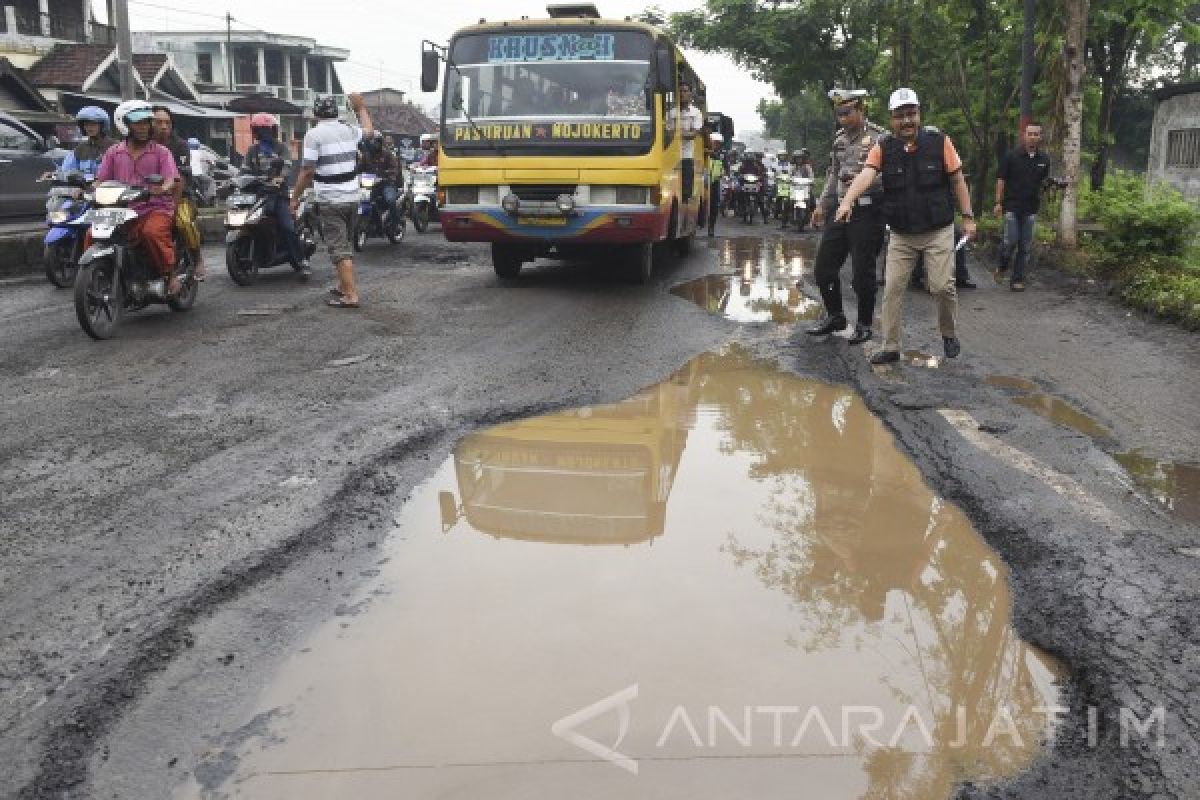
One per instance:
[(335, 291), (340, 302)]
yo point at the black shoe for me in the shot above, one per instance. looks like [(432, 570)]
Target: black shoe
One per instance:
[(862, 333), (951, 346), (966, 284), (828, 325), (885, 357)]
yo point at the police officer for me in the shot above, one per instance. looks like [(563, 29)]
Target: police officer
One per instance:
[(862, 235), (716, 169)]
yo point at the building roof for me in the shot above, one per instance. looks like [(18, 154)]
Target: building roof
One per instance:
[(148, 65), (13, 79), (407, 118), (1176, 89), (68, 66), (254, 103)]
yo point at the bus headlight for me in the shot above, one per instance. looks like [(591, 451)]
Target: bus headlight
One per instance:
[(510, 203), (565, 203)]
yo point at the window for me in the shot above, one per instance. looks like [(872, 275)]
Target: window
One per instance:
[(1183, 148), (14, 139), (274, 67), (204, 73)]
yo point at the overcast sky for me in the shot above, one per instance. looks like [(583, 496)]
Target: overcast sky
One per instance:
[(389, 33)]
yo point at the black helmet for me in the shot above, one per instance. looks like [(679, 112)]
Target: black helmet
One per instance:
[(325, 107)]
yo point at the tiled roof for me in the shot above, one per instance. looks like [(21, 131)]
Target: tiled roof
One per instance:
[(67, 66), (148, 65)]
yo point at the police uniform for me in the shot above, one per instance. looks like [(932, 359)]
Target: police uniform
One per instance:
[(861, 237)]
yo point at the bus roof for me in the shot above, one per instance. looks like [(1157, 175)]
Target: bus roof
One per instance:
[(542, 23)]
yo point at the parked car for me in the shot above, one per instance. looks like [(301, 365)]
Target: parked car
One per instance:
[(24, 157)]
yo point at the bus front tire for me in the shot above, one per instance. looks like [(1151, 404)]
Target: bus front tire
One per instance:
[(641, 263), (506, 261)]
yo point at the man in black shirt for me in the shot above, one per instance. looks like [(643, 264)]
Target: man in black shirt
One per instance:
[(1023, 172)]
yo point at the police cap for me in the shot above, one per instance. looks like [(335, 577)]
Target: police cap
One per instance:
[(839, 96)]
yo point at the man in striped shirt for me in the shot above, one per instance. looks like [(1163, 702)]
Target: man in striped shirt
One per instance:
[(330, 154)]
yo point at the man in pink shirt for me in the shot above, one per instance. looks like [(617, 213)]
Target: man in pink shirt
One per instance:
[(131, 162)]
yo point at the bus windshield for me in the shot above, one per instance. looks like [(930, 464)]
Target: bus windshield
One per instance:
[(552, 87)]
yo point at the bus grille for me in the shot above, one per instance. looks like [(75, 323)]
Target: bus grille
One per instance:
[(541, 193)]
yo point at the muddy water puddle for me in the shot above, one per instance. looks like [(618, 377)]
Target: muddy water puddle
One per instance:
[(1174, 485), (729, 585), (762, 282)]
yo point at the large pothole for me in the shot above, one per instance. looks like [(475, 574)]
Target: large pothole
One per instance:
[(730, 585)]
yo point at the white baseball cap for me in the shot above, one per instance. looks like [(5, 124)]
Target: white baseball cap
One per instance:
[(902, 97)]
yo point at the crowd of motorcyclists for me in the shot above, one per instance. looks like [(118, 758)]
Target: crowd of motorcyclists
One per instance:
[(750, 183), (156, 181)]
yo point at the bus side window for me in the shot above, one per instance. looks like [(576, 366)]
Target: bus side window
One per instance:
[(666, 54)]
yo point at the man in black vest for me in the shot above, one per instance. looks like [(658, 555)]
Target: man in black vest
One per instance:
[(921, 172)]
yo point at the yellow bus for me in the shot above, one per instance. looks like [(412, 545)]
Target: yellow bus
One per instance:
[(595, 476), (560, 137)]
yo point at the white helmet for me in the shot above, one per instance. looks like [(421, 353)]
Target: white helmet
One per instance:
[(140, 110)]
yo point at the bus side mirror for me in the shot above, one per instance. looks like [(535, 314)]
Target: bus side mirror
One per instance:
[(664, 65), (429, 70), (448, 509)]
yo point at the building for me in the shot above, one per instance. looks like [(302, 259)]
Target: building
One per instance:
[(71, 76), (251, 71), (29, 28), (1175, 139)]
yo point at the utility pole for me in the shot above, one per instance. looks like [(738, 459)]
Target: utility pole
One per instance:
[(229, 48), (120, 21)]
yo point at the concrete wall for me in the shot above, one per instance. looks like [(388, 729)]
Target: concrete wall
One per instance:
[(1174, 113)]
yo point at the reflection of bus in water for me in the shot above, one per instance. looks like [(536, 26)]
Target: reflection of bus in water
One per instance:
[(562, 135), (598, 475)]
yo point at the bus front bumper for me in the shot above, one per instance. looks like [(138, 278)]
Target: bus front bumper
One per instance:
[(609, 225)]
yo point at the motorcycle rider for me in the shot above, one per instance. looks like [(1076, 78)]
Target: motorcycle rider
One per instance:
[(93, 124), (258, 161), (131, 162), (429, 150), (752, 165), (382, 162), (185, 206)]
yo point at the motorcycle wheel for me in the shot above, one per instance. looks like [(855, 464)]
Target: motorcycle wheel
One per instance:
[(395, 227), (359, 240), (239, 260), (98, 298), (58, 260), (308, 240), (421, 217), (191, 287)]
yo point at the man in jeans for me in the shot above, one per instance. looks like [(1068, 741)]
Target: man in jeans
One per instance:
[(1019, 182), (691, 125), (330, 158)]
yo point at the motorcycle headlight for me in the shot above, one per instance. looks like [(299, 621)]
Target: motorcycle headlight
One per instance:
[(235, 219), (57, 217)]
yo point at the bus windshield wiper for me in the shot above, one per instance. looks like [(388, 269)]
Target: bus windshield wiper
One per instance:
[(463, 108)]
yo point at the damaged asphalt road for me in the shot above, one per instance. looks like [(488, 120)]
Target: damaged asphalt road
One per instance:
[(180, 503)]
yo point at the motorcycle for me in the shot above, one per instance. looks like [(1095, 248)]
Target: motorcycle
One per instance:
[(375, 216), (728, 195), (422, 196), (803, 203), (252, 240), (114, 276), (783, 199), (770, 194), (66, 206), (750, 196)]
